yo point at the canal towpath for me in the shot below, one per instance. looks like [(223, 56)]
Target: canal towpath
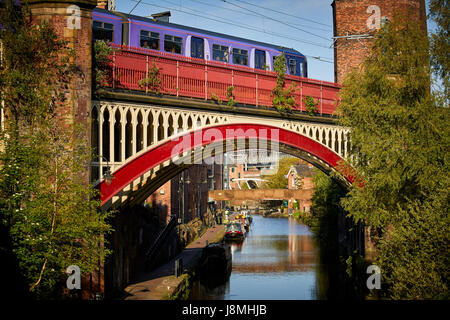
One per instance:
[(161, 283)]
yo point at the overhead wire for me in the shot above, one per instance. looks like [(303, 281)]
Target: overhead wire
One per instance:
[(134, 7), (287, 14), (244, 26), (251, 14), (279, 21)]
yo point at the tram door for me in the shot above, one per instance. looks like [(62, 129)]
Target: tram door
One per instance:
[(197, 48), (260, 59)]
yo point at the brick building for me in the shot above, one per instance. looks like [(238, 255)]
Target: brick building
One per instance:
[(241, 171), (186, 195), (300, 176), (356, 21)]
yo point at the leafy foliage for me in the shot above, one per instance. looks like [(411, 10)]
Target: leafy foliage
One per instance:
[(310, 105), (325, 209), (216, 98), (400, 150), (282, 98), (153, 81), (230, 95), (102, 73), (279, 180), (440, 44), (46, 203)]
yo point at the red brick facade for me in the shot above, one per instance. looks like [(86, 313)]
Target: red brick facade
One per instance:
[(364, 17), (72, 21), (239, 171), (300, 176)]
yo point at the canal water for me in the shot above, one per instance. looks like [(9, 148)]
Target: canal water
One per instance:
[(278, 260)]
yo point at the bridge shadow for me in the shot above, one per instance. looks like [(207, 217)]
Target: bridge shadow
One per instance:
[(153, 278)]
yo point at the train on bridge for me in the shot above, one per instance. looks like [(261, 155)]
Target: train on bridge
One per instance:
[(158, 35), (197, 63)]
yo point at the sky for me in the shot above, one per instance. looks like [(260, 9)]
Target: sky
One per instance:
[(305, 25)]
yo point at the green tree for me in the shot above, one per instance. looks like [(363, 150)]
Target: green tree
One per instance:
[(325, 207), (440, 44), (46, 203), (101, 58), (230, 95), (310, 105), (400, 143), (282, 98), (153, 81), (279, 180)]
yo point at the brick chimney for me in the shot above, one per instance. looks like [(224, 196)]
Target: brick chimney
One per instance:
[(356, 21)]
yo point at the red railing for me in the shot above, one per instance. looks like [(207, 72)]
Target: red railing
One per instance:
[(198, 78)]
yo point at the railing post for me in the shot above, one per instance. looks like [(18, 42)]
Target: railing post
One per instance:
[(232, 77), (256, 89), (114, 69), (321, 98), (301, 96), (146, 74), (206, 81), (178, 75)]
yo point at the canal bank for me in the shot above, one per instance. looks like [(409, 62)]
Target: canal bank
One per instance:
[(161, 283)]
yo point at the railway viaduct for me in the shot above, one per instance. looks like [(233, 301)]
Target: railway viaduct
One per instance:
[(146, 138)]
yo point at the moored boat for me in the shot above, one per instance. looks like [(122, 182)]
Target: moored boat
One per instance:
[(216, 260), (234, 231)]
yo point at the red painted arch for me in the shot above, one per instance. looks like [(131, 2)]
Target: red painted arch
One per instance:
[(155, 156)]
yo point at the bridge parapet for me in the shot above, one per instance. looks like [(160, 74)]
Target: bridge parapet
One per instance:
[(209, 80)]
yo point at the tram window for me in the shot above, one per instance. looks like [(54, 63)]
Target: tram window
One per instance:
[(240, 56), (220, 53), (292, 67), (149, 40), (260, 59), (173, 44), (102, 31)]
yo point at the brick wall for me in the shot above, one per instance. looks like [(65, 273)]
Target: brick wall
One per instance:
[(360, 17), (167, 200), (72, 22)]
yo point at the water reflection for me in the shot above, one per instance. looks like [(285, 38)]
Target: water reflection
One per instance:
[(277, 260)]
